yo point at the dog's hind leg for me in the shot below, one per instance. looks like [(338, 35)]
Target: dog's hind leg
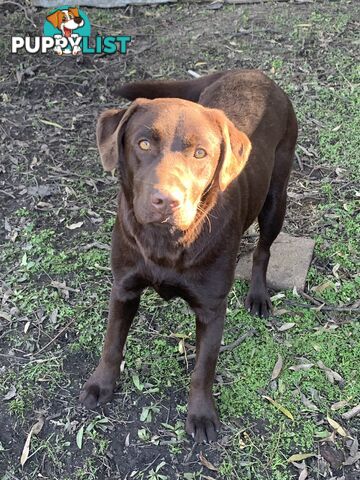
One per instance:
[(271, 220)]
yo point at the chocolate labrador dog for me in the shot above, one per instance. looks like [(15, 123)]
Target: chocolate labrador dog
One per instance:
[(199, 161)]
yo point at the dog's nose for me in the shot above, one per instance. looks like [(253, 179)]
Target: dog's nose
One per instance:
[(163, 202), (78, 20)]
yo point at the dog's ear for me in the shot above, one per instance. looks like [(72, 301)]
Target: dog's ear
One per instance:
[(235, 150), (109, 133), (55, 18), (74, 11)]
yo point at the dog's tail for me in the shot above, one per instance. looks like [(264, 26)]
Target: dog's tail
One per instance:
[(185, 89)]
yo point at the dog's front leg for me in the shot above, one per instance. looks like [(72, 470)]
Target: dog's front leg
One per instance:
[(202, 421), (99, 388)]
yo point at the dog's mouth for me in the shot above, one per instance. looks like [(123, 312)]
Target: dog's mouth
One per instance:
[(165, 221), (174, 221), (67, 32)]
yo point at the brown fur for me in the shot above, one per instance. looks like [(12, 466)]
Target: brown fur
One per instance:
[(180, 217)]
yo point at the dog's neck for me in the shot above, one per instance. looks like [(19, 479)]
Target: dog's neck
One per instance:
[(163, 244)]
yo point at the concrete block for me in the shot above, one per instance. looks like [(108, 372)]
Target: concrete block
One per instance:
[(289, 263)]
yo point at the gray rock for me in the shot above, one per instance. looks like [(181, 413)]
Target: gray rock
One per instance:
[(289, 263)]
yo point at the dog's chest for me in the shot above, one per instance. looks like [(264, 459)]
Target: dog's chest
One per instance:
[(168, 291), (169, 283)]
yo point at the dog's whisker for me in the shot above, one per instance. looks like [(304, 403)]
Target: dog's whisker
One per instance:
[(206, 216)]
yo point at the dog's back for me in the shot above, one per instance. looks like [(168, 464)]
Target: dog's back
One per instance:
[(251, 100), (248, 97)]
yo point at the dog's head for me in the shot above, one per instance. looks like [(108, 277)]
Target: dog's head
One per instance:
[(170, 153), (66, 19)]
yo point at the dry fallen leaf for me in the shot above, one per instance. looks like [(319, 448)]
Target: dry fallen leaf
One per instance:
[(79, 437), (308, 403), (11, 393), (330, 438), (298, 457), (206, 463), (335, 270), (322, 287), (333, 455), (303, 469), (351, 413), (351, 460), (6, 316), (277, 369), (338, 405), (73, 226), (35, 430), (331, 375), (52, 124), (301, 366), (62, 286), (337, 427), (354, 446), (286, 326), (282, 409), (215, 5), (304, 474)]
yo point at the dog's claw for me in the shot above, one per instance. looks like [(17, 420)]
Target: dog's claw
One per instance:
[(203, 427), (98, 389), (93, 396), (258, 304)]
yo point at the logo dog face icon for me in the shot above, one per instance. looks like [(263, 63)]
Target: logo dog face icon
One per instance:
[(66, 31), (66, 21)]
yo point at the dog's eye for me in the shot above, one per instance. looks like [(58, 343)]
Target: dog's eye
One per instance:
[(144, 145), (200, 153)]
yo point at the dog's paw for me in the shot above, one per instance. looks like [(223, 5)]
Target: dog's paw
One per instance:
[(258, 304), (203, 425), (97, 390)]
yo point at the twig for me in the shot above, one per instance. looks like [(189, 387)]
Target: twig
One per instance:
[(7, 193), (323, 307), (329, 308), (238, 341), (12, 357), (151, 464), (189, 455), (52, 340), (24, 9), (226, 348), (311, 299), (144, 49), (299, 161)]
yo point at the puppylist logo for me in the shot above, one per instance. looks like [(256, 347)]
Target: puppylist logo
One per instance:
[(67, 32)]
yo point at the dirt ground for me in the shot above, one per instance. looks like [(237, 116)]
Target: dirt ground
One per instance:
[(57, 211)]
